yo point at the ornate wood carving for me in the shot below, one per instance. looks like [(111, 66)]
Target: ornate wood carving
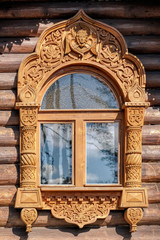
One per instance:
[(133, 216), (81, 41), (28, 216), (81, 209)]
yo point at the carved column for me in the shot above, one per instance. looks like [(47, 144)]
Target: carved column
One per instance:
[(133, 159), (28, 125)]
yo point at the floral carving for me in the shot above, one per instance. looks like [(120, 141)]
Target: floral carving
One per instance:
[(133, 216), (81, 41), (28, 216), (80, 210)]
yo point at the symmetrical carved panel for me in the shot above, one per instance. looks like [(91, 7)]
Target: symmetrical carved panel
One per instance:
[(81, 210), (81, 41)]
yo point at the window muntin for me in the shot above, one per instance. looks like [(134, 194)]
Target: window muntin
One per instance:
[(80, 117), (79, 91)]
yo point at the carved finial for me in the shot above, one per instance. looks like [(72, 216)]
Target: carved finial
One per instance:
[(28, 216), (133, 216)]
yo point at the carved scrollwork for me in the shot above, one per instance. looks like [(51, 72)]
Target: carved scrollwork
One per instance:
[(28, 116), (81, 210), (79, 41), (135, 116), (133, 216), (28, 216)]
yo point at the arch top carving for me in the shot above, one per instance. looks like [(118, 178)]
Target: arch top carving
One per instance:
[(81, 40)]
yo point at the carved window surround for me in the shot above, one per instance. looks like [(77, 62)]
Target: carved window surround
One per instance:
[(58, 49)]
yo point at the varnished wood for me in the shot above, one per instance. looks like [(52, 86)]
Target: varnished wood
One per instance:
[(151, 135), (9, 155), (136, 44), (9, 136), (153, 79), (104, 10), (10, 217), (9, 118), (33, 28), (9, 174), (150, 153)]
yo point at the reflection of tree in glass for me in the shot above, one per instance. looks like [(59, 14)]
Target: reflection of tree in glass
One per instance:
[(56, 144), (102, 136)]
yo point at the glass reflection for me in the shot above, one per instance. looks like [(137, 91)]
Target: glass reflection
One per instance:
[(101, 153), (79, 91), (56, 153)]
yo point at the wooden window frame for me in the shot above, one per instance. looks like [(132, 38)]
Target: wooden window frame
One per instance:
[(101, 51)]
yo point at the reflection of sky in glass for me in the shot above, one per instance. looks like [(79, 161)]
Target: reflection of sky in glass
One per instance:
[(56, 153), (79, 91), (102, 153)]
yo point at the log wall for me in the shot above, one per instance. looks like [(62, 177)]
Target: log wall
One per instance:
[(21, 23)]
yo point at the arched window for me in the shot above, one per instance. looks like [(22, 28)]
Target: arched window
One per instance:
[(84, 140), (81, 98)]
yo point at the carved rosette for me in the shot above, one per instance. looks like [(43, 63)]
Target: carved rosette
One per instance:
[(134, 123), (28, 216), (80, 210), (28, 124), (133, 216)]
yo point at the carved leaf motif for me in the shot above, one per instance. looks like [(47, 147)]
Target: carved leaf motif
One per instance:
[(133, 216), (28, 216), (28, 116), (135, 116), (82, 213), (134, 140)]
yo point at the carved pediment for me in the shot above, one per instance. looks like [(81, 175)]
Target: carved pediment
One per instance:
[(80, 40)]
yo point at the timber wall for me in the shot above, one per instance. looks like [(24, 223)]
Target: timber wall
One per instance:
[(21, 23)]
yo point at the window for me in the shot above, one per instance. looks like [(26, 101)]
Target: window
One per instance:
[(81, 99), (80, 122)]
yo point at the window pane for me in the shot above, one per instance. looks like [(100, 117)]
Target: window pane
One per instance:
[(56, 153), (79, 91), (101, 153)]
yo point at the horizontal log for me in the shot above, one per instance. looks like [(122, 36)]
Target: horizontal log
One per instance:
[(153, 96), (34, 27), (153, 190), (150, 61), (9, 136), (153, 79), (8, 81), (150, 153), (10, 217), (7, 195), (151, 135), (68, 9), (17, 45), (9, 174), (143, 44), (9, 118), (151, 172), (136, 44), (152, 115), (9, 155), (60, 233), (10, 62), (7, 99)]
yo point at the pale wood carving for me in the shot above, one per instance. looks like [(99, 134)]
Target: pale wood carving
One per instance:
[(81, 42), (133, 216)]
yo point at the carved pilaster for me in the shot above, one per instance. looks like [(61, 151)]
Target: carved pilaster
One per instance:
[(28, 216), (133, 160), (133, 216), (28, 124)]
